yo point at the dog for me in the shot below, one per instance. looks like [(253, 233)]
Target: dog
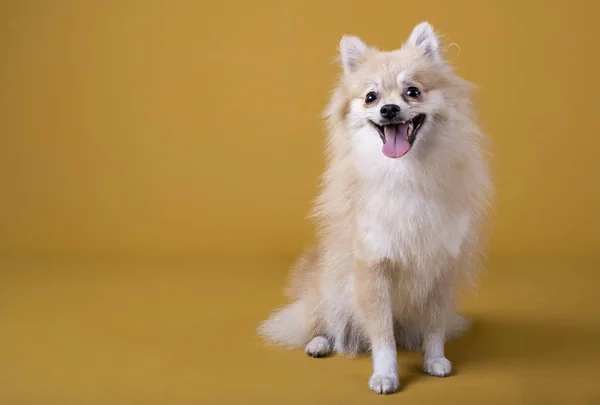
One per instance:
[(401, 212)]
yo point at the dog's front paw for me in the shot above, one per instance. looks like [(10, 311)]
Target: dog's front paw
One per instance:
[(440, 367), (384, 383)]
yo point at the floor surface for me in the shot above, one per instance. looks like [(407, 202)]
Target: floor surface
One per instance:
[(182, 332)]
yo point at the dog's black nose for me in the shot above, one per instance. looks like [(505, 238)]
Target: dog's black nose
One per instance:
[(389, 111)]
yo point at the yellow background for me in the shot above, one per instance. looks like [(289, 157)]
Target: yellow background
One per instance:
[(186, 127), (133, 132)]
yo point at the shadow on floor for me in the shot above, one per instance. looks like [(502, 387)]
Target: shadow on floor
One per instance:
[(494, 339)]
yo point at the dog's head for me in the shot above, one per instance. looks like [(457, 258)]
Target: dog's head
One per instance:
[(396, 98)]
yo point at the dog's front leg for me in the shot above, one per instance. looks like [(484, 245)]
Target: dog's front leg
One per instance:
[(372, 283), (435, 362)]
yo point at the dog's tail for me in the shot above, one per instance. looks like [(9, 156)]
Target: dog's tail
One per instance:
[(288, 326), (295, 324)]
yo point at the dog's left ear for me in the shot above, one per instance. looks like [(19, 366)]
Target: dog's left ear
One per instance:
[(424, 36), (352, 51)]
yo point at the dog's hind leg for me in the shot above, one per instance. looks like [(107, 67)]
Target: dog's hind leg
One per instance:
[(319, 346)]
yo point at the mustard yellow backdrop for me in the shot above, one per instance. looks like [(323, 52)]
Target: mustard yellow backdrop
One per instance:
[(157, 161), (194, 127)]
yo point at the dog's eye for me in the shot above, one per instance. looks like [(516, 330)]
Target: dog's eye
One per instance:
[(413, 92), (371, 97)]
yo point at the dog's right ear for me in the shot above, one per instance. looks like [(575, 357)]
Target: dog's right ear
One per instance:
[(352, 50)]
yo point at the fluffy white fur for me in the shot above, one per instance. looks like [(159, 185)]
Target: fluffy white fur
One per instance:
[(397, 236)]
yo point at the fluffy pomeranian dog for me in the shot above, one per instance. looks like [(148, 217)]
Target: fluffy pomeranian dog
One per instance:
[(402, 210)]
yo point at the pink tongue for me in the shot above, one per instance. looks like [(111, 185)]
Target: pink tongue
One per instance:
[(396, 140)]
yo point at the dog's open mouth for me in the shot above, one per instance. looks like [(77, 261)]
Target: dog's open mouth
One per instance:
[(398, 137)]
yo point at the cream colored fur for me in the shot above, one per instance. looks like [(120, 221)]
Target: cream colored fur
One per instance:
[(397, 236)]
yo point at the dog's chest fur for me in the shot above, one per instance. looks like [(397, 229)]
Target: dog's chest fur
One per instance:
[(404, 219)]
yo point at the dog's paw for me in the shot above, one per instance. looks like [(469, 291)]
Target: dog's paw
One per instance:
[(318, 347), (440, 367), (384, 383)]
